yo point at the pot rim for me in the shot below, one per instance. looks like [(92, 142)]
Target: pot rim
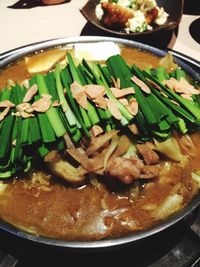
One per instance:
[(11, 56)]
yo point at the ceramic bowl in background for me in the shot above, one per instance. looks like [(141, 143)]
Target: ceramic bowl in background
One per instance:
[(173, 8)]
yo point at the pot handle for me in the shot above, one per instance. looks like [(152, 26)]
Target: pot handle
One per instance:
[(195, 226), (6, 260)]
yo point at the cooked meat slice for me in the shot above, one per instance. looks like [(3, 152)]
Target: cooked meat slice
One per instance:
[(115, 16), (113, 108), (141, 84), (182, 86), (78, 93), (94, 90), (25, 114), (151, 15), (4, 113), (30, 93), (146, 151), (124, 101), (22, 107), (133, 107), (150, 171), (100, 102), (55, 103), (119, 93), (42, 105), (125, 169), (6, 104)]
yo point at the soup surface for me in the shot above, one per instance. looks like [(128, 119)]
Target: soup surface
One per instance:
[(41, 203)]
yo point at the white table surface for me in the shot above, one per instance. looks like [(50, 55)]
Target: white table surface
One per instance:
[(19, 27)]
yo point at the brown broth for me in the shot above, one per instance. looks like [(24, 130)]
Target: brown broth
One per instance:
[(142, 59), (90, 212)]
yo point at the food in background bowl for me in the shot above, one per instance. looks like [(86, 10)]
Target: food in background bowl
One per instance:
[(95, 150), (131, 15)]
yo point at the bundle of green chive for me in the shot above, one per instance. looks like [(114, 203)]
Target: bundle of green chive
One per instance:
[(157, 117)]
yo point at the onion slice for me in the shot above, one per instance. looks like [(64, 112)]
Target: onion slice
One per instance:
[(98, 142)]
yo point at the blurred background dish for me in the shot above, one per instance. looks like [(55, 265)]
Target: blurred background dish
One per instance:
[(53, 2), (173, 8)]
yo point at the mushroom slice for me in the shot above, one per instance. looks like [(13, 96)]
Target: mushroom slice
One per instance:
[(62, 168)]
